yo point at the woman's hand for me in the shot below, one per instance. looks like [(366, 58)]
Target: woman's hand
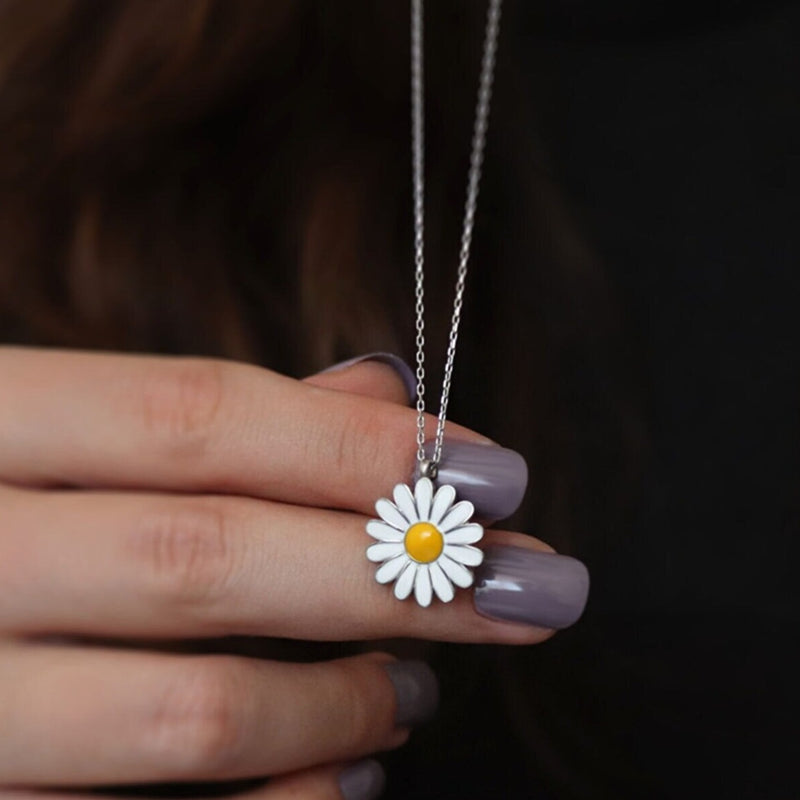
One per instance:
[(165, 498)]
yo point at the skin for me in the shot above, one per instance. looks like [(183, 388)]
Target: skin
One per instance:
[(147, 498)]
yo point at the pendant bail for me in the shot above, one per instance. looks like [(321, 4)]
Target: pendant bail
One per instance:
[(428, 468)]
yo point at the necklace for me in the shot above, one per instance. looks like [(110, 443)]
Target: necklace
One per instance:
[(425, 539)]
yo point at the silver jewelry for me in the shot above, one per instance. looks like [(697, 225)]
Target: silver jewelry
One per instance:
[(425, 539)]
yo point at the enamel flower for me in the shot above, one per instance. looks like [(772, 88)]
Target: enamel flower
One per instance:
[(424, 542)]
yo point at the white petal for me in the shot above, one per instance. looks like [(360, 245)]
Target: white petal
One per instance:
[(441, 585), (458, 515), (464, 554), (384, 550), (391, 569), (405, 502), (389, 512), (466, 534), (423, 493), (422, 586), (441, 502), (460, 576), (405, 583), (383, 532)]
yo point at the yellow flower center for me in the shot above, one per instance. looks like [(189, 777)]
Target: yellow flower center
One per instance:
[(424, 542)]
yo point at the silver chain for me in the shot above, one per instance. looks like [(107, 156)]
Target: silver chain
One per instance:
[(429, 466)]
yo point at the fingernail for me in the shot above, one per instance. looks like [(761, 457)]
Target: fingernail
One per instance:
[(416, 690), (515, 584), (405, 372), (492, 478), (364, 780)]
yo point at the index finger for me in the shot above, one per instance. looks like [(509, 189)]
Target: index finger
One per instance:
[(200, 425)]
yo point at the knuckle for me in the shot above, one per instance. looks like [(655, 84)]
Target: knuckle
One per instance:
[(181, 402), (15, 569), (197, 728), (188, 552), (355, 445), (357, 724)]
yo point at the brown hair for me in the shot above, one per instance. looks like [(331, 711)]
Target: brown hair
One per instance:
[(165, 167)]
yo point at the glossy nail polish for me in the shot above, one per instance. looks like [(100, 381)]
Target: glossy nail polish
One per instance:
[(416, 690), (515, 584), (492, 478), (404, 372), (364, 780)]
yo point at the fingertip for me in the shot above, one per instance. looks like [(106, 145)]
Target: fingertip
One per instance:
[(416, 691), (530, 586), (364, 780)]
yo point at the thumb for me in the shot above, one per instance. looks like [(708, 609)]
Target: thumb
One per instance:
[(382, 376)]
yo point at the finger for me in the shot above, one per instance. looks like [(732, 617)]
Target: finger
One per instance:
[(89, 716), (135, 565), (382, 376), (199, 425), (363, 780)]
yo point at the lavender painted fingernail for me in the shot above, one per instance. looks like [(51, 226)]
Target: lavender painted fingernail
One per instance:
[(515, 584), (492, 478), (364, 780), (416, 690), (404, 372)]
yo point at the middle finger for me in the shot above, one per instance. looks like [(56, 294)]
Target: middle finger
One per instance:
[(158, 565)]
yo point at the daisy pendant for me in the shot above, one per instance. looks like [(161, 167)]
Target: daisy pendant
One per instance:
[(424, 542)]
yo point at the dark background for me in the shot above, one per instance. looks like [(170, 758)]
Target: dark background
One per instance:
[(672, 133)]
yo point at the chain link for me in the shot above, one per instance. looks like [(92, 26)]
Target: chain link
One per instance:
[(470, 206), (418, 169)]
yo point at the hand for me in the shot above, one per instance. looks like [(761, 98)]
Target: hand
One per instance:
[(146, 498)]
